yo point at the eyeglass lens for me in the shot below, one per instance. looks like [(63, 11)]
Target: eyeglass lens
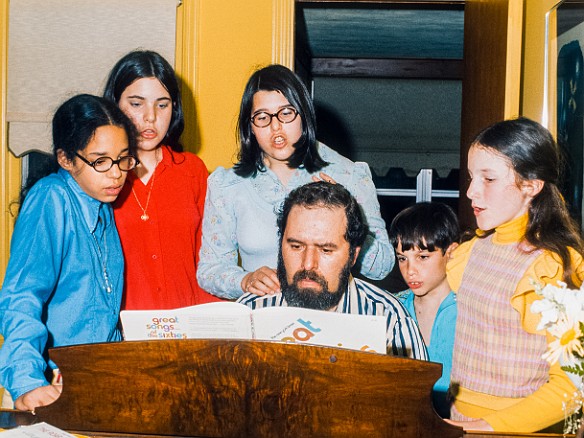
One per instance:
[(103, 164), (285, 115)]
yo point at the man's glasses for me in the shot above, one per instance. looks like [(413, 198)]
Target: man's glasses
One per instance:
[(285, 115), (103, 164)]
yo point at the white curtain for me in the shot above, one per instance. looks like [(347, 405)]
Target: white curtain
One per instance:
[(59, 48)]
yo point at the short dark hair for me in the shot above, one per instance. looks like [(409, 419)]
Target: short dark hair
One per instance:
[(278, 78), (328, 195), (426, 225), (140, 64)]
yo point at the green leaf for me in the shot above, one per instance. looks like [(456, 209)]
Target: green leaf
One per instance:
[(577, 369)]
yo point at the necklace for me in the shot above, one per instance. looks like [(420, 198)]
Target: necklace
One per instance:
[(103, 260), (145, 216)]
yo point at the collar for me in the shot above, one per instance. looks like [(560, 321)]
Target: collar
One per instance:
[(449, 300), (166, 155), (350, 295), (166, 161), (511, 232), (90, 207)]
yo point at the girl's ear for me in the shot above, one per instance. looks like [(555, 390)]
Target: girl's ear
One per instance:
[(532, 187), (63, 161)]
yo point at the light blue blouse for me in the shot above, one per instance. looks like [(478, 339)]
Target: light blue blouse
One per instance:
[(240, 222), (441, 343), (54, 290)]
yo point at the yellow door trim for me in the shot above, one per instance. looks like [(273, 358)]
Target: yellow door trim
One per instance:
[(283, 32), (9, 164)]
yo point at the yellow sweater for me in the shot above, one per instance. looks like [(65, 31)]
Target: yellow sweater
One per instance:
[(543, 408)]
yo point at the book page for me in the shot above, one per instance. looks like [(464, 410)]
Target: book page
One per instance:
[(38, 430), (221, 320), (293, 324)]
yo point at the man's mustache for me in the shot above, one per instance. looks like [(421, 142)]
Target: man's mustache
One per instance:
[(309, 275)]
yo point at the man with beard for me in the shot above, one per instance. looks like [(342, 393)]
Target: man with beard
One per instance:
[(322, 230)]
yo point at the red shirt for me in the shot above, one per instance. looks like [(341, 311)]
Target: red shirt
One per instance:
[(161, 253)]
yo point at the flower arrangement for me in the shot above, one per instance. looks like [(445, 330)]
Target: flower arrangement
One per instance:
[(562, 315)]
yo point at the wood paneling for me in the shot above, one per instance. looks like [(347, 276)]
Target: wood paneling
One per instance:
[(233, 388), (492, 66), (389, 68)]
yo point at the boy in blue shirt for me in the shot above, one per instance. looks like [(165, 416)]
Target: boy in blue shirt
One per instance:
[(424, 236)]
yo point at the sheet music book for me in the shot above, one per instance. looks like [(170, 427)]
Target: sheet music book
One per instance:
[(229, 320), (38, 430)]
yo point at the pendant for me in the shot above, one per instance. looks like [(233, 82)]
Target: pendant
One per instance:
[(144, 217)]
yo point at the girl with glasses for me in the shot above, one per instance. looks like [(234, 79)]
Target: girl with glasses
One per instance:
[(278, 152), (64, 280), (160, 209)]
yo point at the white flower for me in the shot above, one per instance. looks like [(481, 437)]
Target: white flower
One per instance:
[(567, 333), (558, 301), (562, 311), (549, 312)]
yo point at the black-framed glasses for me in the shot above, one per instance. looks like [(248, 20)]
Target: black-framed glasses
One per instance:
[(103, 164), (285, 115)]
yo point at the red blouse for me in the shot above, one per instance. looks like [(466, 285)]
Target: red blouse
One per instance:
[(161, 253)]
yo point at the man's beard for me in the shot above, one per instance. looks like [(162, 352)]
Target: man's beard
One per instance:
[(309, 298)]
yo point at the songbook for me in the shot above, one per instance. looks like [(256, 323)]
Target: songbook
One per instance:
[(38, 430), (229, 320)]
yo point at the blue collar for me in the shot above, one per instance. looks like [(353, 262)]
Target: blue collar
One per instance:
[(90, 207)]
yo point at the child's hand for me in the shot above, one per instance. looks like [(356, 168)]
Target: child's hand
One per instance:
[(472, 425), (323, 177), (262, 282), (42, 396)]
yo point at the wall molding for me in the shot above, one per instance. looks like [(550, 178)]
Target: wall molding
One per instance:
[(283, 32), (9, 164)]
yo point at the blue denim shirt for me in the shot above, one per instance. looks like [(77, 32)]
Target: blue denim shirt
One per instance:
[(54, 290)]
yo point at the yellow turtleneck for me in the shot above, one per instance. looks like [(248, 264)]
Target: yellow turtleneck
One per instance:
[(544, 407), (511, 232)]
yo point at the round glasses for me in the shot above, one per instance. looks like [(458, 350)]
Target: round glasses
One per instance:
[(103, 164), (285, 115)]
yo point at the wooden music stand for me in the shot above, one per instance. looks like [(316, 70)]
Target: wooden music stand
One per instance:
[(234, 388)]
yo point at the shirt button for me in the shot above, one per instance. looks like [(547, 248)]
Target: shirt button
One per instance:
[(154, 257)]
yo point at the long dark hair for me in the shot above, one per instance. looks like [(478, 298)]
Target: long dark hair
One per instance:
[(534, 154), (74, 125), (140, 64), (278, 78)]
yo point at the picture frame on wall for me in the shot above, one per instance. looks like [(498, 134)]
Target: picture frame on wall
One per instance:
[(565, 49)]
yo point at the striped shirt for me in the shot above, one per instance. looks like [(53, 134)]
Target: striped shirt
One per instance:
[(362, 298)]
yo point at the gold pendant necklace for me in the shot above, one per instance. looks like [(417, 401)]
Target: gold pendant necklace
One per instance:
[(145, 216)]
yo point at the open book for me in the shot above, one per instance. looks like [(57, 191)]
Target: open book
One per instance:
[(38, 430), (228, 320)]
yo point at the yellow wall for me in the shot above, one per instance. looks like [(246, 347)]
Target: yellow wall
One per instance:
[(9, 165), (532, 101), (228, 40), (513, 63)]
